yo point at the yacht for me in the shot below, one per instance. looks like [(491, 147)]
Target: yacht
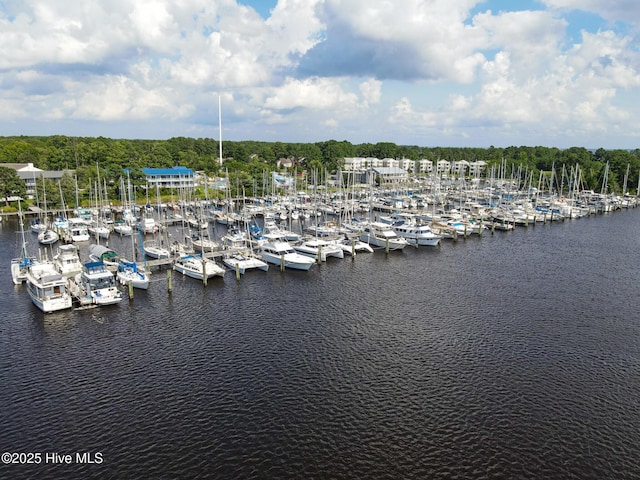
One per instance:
[(203, 244), (47, 288), (67, 260), (282, 253), (314, 247), (20, 268), (272, 231), (148, 225), (378, 234), (243, 261), (96, 285), (99, 231), (238, 254), (416, 233), (20, 265), (122, 228)]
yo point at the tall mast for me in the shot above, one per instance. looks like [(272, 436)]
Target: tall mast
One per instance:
[(220, 127)]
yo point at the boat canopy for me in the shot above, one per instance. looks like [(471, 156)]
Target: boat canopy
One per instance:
[(101, 252)]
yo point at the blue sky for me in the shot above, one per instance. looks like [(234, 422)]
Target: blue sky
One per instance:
[(419, 72)]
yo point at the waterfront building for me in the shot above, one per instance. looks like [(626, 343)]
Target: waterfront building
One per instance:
[(30, 175), (174, 177)]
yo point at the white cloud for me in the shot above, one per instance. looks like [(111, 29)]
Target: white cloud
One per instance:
[(419, 40), (371, 91), (312, 93), (153, 23), (317, 67), (532, 39), (119, 97), (612, 10), (574, 95)]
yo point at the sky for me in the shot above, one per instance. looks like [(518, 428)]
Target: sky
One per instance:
[(451, 73)]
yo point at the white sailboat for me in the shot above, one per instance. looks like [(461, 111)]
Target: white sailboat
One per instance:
[(128, 272), (154, 250), (20, 265), (198, 267)]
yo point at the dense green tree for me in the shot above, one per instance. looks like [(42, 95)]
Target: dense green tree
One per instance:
[(385, 150), (85, 155), (11, 185), (19, 151)]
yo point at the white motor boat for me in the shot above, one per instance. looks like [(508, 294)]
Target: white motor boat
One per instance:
[(417, 233), (97, 285), (67, 260), (244, 261), (379, 234), (282, 253), (314, 247), (78, 232), (47, 288), (48, 237)]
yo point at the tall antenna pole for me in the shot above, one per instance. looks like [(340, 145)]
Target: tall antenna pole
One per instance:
[(220, 127)]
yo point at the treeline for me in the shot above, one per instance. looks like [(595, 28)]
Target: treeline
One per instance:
[(247, 161)]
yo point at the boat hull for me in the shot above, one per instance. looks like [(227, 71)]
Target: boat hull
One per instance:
[(197, 269), (289, 261)]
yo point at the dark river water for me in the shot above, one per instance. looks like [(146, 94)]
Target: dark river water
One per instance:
[(515, 355)]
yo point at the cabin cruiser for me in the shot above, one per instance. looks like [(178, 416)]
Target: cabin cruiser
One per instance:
[(47, 288), (282, 253)]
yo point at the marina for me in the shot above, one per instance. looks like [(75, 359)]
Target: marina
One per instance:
[(411, 253), (401, 357), (203, 240), (514, 353)]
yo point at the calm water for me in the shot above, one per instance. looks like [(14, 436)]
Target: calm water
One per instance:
[(515, 355)]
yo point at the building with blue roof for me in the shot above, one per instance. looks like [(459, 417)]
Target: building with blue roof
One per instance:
[(174, 177)]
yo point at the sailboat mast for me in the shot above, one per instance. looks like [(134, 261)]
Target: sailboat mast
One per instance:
[(220, 128)]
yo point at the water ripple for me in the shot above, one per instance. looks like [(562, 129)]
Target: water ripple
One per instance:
[(510, 356)]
